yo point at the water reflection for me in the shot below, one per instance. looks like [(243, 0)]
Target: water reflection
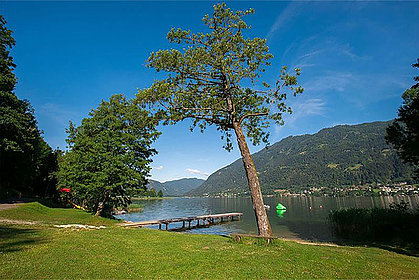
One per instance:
[(305, 217), (280, 213)]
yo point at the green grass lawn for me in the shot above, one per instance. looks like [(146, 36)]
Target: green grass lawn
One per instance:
[(36, 212), (43, 251)]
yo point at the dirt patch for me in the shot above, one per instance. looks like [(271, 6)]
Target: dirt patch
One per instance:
[(17, 222), (4, 206), (305, 242), (77, 226)]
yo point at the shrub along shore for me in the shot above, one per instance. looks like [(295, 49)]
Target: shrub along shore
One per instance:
[(32, 246), (397, 227)]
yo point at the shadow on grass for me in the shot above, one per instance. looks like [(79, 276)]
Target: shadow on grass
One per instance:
[(409, 249), (14, 239)]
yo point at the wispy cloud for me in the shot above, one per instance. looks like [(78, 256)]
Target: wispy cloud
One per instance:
[(283, 19), (326, 50), (57, 113), (347, 50), (336, 81), (196, 172), (303, 109), (304, 65), (311, 107), (160, 167), (310, 53), (356, 88)]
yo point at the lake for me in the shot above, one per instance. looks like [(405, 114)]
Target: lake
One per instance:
[(298, 222)]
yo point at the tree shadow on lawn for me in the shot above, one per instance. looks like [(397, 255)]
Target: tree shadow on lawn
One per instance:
[(409, 249), (14, 239)]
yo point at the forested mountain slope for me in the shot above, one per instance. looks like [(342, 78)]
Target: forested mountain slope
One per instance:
[(176, 187), (337, 156), (157, 186), (182, 186)]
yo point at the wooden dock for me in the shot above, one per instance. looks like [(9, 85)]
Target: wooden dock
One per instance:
[(204, 220)]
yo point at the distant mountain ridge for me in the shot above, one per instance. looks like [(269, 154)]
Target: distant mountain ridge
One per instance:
[(337, 156), (176, 187)]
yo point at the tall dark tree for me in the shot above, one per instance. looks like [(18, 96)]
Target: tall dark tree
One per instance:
[(109, 155), (214, 78), (26, 160), (403, 133)]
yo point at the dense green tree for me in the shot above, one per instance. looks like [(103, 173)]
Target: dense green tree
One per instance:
[(151, 192), (109, 155), (160, 193), (26, 160), (214, 78), (403, 133)]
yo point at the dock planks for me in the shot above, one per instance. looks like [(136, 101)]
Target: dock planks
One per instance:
[(200, 220)]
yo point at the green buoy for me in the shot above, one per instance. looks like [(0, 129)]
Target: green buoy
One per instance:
[(279, 206)]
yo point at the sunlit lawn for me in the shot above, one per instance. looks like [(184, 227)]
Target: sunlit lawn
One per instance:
[(43, 251)]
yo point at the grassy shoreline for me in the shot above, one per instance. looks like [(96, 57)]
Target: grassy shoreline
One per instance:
[(41, 250), (149, 198), (136, 205)]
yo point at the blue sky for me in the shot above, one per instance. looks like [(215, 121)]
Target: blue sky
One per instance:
[(355, 57)]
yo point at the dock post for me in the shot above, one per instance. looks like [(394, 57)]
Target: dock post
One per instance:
[(159, 226), (167, 224), (189, 224), (183, 225)]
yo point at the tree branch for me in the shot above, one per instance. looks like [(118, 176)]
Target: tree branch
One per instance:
[(192, 77), (252, 115), (199, 109)]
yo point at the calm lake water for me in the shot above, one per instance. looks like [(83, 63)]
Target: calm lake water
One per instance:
[(298, 222)]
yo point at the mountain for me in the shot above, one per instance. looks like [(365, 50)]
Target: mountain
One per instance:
[(176, 187), (337, 156), (182, 186), (153, 184)]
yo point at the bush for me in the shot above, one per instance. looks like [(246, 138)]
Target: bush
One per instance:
[(396, 224)]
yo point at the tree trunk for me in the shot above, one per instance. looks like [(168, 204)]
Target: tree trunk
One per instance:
[(101, 205), (99, 209), (264, 226)]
